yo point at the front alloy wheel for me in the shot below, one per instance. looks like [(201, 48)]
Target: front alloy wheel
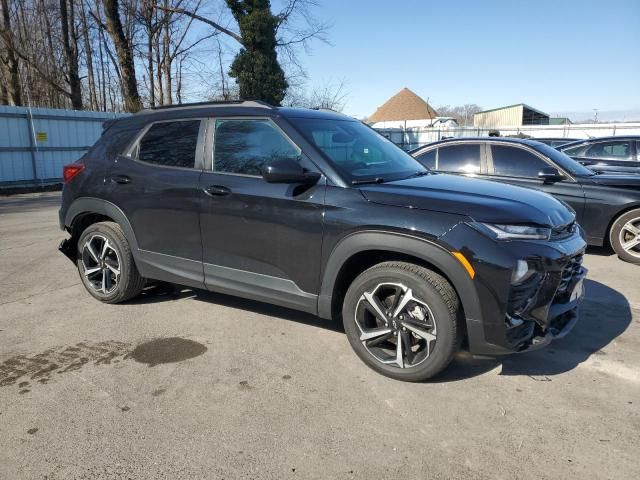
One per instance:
[(625, 236), (396, 327), (402, 320)]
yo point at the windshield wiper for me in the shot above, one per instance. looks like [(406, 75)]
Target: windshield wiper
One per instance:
[(421, 173), (365, 181)]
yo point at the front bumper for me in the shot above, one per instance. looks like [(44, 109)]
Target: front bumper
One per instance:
[(518, 318)]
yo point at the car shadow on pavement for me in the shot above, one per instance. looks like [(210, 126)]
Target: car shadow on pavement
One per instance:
[(604, 315), (161, 292), (600, 251)]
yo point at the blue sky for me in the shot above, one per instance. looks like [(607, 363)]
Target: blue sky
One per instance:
[(557, 56)]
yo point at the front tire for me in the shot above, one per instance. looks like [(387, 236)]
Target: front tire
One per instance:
[(402, 320), (625, 236), (106, 265)]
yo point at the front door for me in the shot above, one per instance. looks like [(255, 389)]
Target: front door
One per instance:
[(261, 240), (156, 185)]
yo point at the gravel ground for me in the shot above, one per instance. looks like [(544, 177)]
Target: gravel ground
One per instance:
[(189, 384)]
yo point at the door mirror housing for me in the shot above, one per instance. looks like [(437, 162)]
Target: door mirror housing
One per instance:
[(550, 175), (287, 170)]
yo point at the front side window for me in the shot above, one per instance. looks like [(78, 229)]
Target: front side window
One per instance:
[(357, 151), (428, 159), (615, 150), (515, 162), (459, 158), (577, 151), (170, 144), (245, 146)]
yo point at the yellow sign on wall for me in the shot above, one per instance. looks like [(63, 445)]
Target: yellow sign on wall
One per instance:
[(41, 136)]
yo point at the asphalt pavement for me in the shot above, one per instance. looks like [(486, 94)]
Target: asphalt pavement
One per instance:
[(183, 383)]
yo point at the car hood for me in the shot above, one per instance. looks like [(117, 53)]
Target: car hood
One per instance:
[(617, 180), (482, 200)]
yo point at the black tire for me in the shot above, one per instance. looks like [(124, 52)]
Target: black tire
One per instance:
[(428, 288), (124, 286), (620, 232)]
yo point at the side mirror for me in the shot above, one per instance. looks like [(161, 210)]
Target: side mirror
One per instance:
[(287, 170), (550, 175)]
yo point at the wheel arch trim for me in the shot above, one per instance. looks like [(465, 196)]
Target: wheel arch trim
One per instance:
[(89, 205), (395, 242)]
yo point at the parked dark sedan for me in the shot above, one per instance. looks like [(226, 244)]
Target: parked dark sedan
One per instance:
[(607, 154), (555, 142), (607, 206)]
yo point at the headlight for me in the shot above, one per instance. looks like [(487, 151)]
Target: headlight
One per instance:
[(516, 232)]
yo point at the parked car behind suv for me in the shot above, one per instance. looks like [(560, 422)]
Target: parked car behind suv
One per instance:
[(607, 154), (607, 206), (315, 211)]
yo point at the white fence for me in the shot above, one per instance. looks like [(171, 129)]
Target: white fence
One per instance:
[(36, 143), (418, 136)]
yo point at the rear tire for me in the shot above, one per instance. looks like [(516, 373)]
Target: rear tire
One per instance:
[(106, 265), (402, 320), (625, 236)]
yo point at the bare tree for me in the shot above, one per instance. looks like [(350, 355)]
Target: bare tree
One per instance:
[(125, 56), (8, 60), (70, 48)]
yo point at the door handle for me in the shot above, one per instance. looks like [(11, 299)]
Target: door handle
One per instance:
[(216, 191), (121, 179)]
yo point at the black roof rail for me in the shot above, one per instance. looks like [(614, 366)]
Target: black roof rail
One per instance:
[(212, 103)]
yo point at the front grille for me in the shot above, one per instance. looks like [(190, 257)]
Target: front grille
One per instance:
[(570, 270), (564, 231)]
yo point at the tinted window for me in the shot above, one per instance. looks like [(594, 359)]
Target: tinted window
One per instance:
[(459, 158), (428, 159), (172, 144), (244, 146), (515, 162), (615, 150)]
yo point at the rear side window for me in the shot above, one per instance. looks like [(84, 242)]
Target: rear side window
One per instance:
[(428, 159), (170, 144), (459, 159), (244, 146), (515, 162)]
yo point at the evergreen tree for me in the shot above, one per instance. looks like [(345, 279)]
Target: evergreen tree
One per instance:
[(256, 67)]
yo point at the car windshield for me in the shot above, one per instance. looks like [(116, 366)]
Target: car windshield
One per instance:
[(564, 161), (358, 152)]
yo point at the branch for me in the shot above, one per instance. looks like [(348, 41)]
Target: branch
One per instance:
[(211, 23)]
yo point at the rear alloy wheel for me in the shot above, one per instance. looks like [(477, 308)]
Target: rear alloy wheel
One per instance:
[(100, 264), (625, 236), (106, 265), (401, 319)]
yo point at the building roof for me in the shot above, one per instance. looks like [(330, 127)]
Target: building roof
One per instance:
[(511, 106), (404, 105)]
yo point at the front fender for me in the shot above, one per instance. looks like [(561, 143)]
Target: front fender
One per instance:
[(426, 250)]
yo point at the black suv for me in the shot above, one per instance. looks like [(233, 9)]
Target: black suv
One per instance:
[(314, 210)]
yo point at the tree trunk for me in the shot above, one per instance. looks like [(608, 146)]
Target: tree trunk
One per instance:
[(8, 59), (70, 56), (129, 85), (93, 99)]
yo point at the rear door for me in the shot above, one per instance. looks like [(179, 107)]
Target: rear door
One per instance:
[(261, 239), (519, 166), (156, 184)]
